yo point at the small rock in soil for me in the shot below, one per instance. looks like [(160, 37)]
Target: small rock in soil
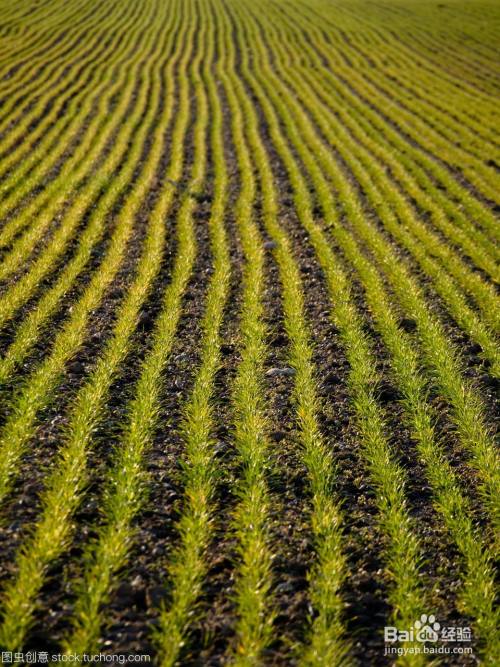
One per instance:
[(332, 379), (76, 367), (280, 372)]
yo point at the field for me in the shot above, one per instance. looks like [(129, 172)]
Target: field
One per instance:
[(249, 318)]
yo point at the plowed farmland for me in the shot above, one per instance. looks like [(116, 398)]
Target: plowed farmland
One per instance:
[(249, 318)]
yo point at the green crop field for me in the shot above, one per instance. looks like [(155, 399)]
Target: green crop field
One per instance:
[(249, 319)]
